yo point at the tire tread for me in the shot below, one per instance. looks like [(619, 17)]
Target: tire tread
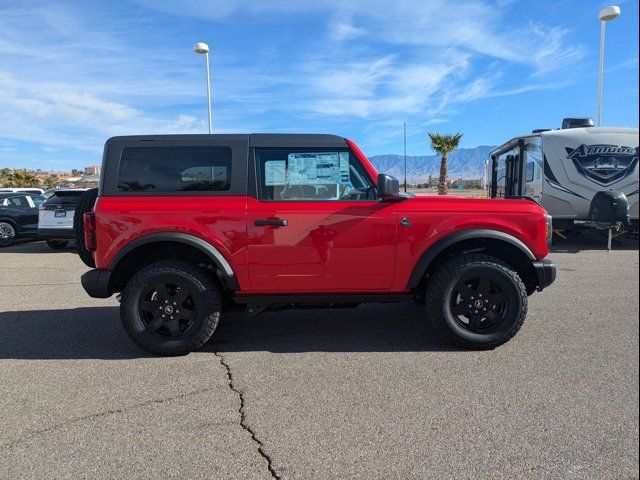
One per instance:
[(85, 204), (209, 291), (435, 290)]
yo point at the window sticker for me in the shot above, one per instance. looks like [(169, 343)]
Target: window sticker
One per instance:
[(344, 168), (275, 172), (318, 168)]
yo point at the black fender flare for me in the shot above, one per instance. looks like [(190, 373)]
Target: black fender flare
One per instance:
[(205, 247), (434, 250)]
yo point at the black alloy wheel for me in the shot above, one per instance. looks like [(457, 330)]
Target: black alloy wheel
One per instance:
[(479, 303), (171, 307), (476, 301), (167, 309)]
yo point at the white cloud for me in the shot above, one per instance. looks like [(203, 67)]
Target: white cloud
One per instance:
[(414, 59), (472, 25), (342, 31)]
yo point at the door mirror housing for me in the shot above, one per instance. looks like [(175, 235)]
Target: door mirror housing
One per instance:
[(388, 187)]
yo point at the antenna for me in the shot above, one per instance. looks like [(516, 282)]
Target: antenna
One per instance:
[(405, 156)]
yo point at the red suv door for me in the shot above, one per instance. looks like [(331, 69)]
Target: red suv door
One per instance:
[(316, 224)]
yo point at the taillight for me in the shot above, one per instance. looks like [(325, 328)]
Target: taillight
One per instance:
[(90, 230)]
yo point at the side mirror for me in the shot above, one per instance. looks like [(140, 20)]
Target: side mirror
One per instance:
[(388, 187)]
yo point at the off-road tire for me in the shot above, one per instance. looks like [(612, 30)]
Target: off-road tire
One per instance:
[(7, 234), (438, 297), (206, 298), (85, 204), (57, 244)]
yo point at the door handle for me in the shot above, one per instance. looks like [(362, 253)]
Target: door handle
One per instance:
[(272, 223)]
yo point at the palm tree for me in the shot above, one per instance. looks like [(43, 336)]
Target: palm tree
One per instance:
[(444, 145), (22, 178)]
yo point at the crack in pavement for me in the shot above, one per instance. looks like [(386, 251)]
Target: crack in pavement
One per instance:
[(91, 416), (243, 420)]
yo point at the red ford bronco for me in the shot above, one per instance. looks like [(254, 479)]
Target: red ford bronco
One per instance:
[(187, 226)]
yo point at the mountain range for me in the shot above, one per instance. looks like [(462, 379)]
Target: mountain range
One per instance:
[(465, 163)]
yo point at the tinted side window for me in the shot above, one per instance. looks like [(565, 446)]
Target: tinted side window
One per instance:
[(299, 174), (174, 169)]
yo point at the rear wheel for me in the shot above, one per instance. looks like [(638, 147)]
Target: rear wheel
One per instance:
[(170, 307), (476, 301), (57, 244), (85, 204), (7, 234)]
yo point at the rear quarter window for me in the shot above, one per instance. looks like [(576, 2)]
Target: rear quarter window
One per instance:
[(174, 169)]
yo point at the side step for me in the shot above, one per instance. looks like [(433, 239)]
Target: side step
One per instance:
[(256, 304)]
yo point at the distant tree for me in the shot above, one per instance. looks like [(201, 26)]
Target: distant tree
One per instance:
[(75, 172), (4, 173), (444, 145), (51, 180), (22, 178)]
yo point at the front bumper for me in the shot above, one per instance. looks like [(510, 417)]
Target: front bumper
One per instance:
[(546, 272), (96, 283)]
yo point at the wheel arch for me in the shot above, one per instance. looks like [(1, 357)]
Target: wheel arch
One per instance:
[(161, 246), (11, 222), (494, 242)]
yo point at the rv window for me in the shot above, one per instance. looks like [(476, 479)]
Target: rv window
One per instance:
[(530, 171)]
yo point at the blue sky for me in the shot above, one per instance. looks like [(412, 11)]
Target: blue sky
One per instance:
[(73, 74)]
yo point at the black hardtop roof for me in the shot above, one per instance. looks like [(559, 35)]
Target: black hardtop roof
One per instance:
[(254, 139)]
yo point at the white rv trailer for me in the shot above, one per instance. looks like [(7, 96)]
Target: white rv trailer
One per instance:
[(564, 169)]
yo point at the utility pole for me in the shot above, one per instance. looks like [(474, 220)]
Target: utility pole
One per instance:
[(405, 156)]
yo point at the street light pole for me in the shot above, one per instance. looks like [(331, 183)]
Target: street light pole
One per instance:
[(203, 49), (606, 14)]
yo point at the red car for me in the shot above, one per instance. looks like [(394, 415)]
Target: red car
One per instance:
[(188, 226)]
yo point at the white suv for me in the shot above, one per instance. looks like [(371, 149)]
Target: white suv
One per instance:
[(55, 219)]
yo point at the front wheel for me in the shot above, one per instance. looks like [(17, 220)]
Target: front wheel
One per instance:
[(476, 301), (170, 307)]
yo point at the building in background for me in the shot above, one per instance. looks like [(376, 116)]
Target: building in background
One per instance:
[(92, 170), (468, 183)]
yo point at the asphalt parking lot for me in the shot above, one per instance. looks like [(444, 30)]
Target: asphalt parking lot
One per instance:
[(365, 393)]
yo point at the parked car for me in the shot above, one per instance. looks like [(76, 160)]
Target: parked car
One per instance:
[(188, 226), (18, 216), (55, 222)]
